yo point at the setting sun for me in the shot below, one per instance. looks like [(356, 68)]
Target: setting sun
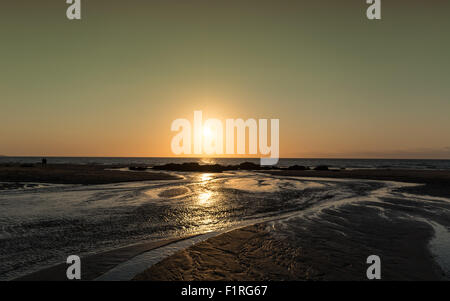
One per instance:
[(207, 132)]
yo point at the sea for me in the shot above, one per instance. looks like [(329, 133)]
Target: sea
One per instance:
[(283, 162)]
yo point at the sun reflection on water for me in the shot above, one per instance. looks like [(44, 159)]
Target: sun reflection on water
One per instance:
[(204, 197), (208, 161), (207, 199), (205, 177)]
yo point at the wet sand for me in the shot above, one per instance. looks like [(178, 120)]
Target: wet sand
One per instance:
[(437, 182), (74, 174), (97, 264), (253, 254), (332, 247)]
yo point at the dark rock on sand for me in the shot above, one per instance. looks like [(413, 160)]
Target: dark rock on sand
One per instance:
[(249, 166), (138, 168), (298, 167), (195, 167), (321, 167)]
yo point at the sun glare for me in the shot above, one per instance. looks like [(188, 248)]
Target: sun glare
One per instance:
[(207, 132), (204, 197), (205, 177)]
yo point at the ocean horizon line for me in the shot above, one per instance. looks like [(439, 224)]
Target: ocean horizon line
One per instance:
[(232, 158)]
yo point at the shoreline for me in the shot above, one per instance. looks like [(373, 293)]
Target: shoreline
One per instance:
[(436, 182)]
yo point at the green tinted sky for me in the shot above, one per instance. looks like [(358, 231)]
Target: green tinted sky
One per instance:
[(111, 84)]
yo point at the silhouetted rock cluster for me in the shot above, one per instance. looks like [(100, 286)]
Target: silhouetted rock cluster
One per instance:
[(211, 168), (298, 167), (196, 167)]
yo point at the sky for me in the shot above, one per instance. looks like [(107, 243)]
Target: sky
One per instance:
[(112, 83)]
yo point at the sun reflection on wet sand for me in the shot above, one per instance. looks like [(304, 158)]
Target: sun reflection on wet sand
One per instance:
[(204, 197), (205, 177)]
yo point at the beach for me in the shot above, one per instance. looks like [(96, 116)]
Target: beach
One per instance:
[(436, 182), (237, 225), (334, 247), (74, 174)]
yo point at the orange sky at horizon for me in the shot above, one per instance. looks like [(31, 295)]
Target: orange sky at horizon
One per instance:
[(111, 85)]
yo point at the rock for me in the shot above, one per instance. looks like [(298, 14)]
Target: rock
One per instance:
[(298, 167), (321, 167), (137, 168), (249, 166)]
